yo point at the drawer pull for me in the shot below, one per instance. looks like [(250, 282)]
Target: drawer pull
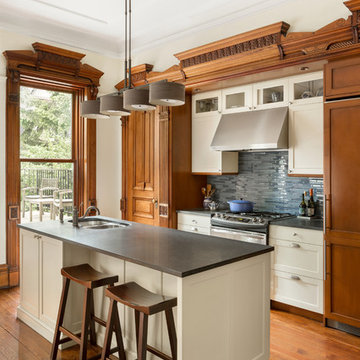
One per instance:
[(194, 229), (295, 245), (295, 277), (194, 221), (294, 234)]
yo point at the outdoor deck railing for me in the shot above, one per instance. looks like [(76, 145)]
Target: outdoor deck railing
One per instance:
[(33, 177)]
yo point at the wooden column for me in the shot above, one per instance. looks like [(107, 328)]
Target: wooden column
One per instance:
[(13, 172)]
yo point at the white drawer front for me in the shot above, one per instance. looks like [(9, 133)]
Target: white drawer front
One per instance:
[(314, 237), (193, 220), (295, 290), (298, 258), (194, 229)]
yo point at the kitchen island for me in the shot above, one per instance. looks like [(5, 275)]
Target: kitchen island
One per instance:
[(222, 286)]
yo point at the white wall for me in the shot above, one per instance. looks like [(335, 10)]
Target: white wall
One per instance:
[(108, 131), (302, 15)]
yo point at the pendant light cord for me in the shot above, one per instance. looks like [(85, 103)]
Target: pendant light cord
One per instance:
[(130, 84), (126, 45)]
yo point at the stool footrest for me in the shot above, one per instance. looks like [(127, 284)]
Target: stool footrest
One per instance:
[(67, 339), (99, 321), (70, 335), (158, 353)]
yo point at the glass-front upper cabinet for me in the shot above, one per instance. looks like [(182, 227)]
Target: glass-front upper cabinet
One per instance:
[(270, 94), (207, 103), (237, 99), (306, 88)]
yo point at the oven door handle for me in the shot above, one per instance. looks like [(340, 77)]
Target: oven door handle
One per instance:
[(245, 233)]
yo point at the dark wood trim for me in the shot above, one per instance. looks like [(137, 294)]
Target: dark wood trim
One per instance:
[(48, 67), (275, 305)]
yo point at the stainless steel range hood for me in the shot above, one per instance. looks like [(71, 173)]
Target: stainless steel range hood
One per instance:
[(252, 130)]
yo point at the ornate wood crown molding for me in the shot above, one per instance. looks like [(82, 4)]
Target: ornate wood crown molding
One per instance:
[(138, 75), (263, 49), (52, 62)]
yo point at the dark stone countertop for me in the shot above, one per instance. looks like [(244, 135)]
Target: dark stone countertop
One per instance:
[(172, 251), (200, 211), (313, 224)]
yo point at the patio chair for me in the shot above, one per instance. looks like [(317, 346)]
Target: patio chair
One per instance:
[(61, 199), (41, 196)]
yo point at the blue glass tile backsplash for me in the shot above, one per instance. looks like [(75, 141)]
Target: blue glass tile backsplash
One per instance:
[(263, 179)]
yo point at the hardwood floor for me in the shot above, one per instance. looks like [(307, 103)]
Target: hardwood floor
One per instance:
[(292, 338)]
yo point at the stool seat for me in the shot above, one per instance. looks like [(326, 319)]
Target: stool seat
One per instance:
[(133, 295), (87, 276)]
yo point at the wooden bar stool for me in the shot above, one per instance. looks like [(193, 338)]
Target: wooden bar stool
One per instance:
[(91, 279), (144, 303)]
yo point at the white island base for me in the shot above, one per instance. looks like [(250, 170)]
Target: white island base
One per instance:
[(222, 313)]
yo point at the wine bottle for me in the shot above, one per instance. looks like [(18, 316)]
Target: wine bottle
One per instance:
[(302, 206), (311, 206)]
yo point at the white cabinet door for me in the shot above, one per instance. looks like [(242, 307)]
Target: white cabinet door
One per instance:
[(207, 103), (29, 272), (51, 258), (271, 94), (237, 99), (204, 159), (296, 290), (306, 88), (306, 139)]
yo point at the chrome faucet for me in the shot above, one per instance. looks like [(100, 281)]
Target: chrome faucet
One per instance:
[(89, 209), (76, 217)]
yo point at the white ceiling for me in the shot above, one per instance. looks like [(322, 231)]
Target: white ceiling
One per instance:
[(98, 25)]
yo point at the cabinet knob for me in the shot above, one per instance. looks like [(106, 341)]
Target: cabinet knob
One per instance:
[(194, 221), (294, 234), (295, 277), (155, 202), (194, 229)]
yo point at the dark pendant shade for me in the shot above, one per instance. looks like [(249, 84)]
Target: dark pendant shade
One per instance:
[(167, 94), (137, 99), (91, 109), (113, 105)]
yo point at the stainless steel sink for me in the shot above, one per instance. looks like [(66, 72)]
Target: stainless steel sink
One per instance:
[(101, 225)]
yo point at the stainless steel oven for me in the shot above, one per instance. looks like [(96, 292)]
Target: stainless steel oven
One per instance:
[(234, 234)]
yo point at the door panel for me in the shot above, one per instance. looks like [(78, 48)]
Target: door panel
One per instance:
[(342, 211), (142, 188)]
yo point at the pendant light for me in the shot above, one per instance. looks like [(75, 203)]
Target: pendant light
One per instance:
[(138, 99), (141, 98), (167, 93), (91, 109), (113, 105)]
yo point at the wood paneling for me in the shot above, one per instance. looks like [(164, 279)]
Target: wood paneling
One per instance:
[(342, 205), (142, 163), (342, 78), (157, 166)]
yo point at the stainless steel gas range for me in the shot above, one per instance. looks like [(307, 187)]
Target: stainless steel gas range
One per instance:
[(251, 227)]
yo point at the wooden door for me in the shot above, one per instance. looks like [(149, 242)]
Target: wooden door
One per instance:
[(142, 167), (342, 212)]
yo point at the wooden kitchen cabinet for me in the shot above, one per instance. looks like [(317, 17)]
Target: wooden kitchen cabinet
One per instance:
[(342, 78), (156, 173), (306, 139), (342, 207)]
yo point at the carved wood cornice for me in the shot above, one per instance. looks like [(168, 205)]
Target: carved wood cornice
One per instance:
[(53, 62), (270, 47), (233, 46)]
